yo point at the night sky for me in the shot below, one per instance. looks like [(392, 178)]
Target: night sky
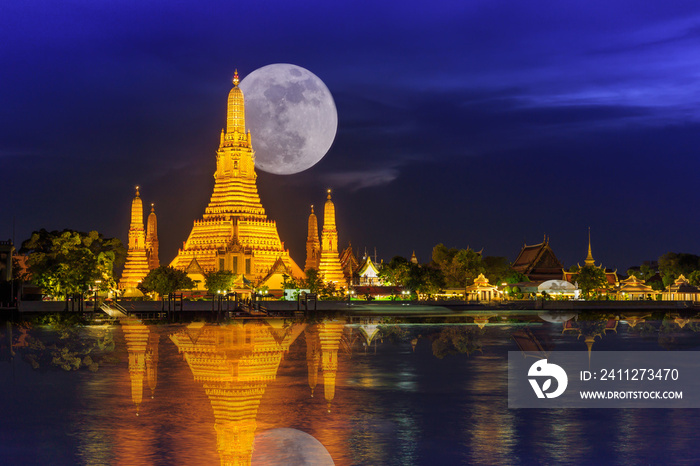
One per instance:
[(470, 123)]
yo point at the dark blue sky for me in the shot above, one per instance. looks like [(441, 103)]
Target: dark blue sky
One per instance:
[(480, 123)]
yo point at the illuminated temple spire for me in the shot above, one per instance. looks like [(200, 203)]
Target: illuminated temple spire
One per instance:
[(234, 233), (235, 116), (589, 262), (313, 247), (136, 267), (152, 240), (329, 266)]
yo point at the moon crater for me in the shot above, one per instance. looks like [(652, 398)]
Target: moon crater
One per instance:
[(291, 116)]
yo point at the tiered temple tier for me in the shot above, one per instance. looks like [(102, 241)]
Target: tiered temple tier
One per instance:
[(209, 237), (135, 269), (235, 196), (330, 269)]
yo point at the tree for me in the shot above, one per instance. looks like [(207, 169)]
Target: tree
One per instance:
[(458, 266), (590, 279), (312, 282), (427, 280), (71, 262), (455, 340), (165, 280), (672, 265), (495, 268), (643, 272), (511, 277), (694, 278), (221, 280), (289, 282), (397, 271)]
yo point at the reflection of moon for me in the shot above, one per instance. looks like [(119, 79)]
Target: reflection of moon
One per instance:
[(556, 317), (289, 447), (291, 116)]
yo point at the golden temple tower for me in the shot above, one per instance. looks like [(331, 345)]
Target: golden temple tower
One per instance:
[(136, 267), (235, 363), (313, 246), (329, 335), (329, 266), (589, 261), (234, 233), (152, 240)]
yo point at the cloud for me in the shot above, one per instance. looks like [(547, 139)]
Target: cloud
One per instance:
[(356, 180)]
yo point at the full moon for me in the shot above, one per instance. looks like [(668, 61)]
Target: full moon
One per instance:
[(291, 116)]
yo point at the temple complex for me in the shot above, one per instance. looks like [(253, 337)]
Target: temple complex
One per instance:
[(137, 264), (235, 234), (329, 266), (152, 240), (313, 246)]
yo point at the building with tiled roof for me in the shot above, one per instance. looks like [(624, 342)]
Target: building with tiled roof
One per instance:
[(538, 262)]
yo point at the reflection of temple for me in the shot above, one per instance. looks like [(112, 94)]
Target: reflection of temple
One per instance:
[(235, 363), (234, 233), (329, 334), (313, 356), (136, 335), (152, 362)]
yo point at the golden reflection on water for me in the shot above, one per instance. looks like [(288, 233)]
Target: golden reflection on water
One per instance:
[(201, 394)]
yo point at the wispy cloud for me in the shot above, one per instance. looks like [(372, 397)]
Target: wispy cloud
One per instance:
[(356, 180)]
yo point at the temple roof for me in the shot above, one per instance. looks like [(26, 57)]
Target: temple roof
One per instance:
[(194, 267), (348, 261), (538, 262), (279, 267), (634, 285), (366, 265)]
